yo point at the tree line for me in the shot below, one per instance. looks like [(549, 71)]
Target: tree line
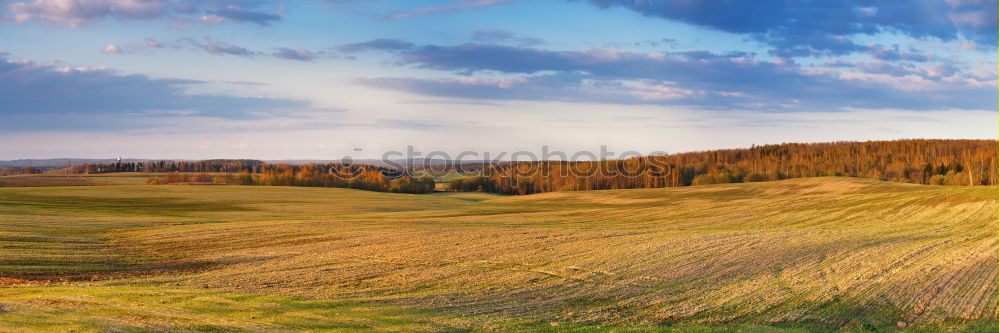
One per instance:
[(935, 162), (167, 166), (25, 170), (340, 175), (361, 179)]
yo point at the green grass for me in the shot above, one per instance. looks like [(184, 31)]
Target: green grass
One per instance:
[(128, 308), (147, 308), (797, 255)]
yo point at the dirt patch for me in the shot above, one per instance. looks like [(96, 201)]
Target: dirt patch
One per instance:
[(10, 282)]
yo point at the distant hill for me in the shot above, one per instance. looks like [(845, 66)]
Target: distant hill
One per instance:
[(64, 162), (60, 162)]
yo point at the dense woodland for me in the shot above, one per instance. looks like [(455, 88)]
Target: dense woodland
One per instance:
[(934, 162)]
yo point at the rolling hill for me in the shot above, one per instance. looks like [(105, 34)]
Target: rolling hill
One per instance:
[(809, 254)]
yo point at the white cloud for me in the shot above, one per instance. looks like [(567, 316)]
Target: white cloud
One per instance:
[(112, 48), (79, 13)]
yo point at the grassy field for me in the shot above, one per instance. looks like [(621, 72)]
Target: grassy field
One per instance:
[(45, 180), (819, 254), (55, 179)]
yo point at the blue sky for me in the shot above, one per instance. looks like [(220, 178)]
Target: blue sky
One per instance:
[(321, 79)]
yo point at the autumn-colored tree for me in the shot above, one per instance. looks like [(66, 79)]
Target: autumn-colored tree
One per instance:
[(940, 162)]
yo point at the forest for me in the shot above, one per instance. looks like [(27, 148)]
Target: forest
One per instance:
[(932, 162)]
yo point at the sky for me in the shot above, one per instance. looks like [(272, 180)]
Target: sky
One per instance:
[(326, 79)]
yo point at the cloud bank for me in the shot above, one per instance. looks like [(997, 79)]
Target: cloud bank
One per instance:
[(734, 80), (81, 13), (825, 27), (54, 90)]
